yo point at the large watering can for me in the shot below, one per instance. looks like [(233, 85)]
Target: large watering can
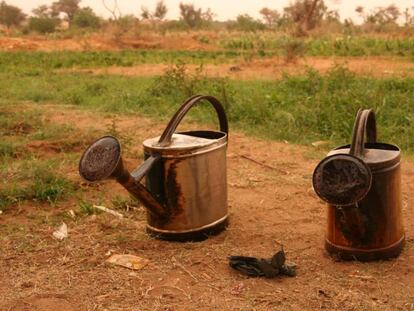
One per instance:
[(186, 181), (361, 184)]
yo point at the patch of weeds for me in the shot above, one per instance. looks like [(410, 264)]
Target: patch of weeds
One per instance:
[(50, 188), (179, 83), (52, 131), (34, 180), (293, 49), (19, 122), (124, 203), (87, 208), (177, 78), (203, 39), (7, 149), (11, 195), (125, 140)]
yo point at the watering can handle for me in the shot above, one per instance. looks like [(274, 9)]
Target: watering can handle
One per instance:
[(365, 125), (166, 136)]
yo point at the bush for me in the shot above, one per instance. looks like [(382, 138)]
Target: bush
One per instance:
[(247, 23), (293, 49), (86, 18), (179, 83), (42, 24)]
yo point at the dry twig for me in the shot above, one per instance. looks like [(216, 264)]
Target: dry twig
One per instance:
[(264, 164)]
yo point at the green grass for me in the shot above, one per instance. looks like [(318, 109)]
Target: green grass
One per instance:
[(32, 180), (266, 43), (242, 47), (35, 63), (31, 175), (299, 109), (87, 208)]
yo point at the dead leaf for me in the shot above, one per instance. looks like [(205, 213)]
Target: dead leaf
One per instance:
[(128, 261), (320, 143), (61, 233)]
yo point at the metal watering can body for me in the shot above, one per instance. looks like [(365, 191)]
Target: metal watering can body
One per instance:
[(185, 190), (361, 183)]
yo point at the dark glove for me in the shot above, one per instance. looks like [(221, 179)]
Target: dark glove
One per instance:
[(269, 268)]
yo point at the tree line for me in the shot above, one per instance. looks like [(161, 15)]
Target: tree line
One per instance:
[(300, 17)]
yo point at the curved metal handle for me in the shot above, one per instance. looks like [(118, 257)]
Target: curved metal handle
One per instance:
[(365, 125), (166, 136)]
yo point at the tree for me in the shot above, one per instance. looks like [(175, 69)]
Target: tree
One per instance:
[(10, 15), (44, 20), (42, 24), (159, 12), (115, 11), (270, 17), (68, 7), (408, 17), (380, 16), (245, 22), (332, 16), (194, 17), (389, 14), (306, 13), (145, 13), (43, 11), (86, 18)]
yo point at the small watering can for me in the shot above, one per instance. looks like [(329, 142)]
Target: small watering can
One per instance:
[(186, 179), (361, 183)]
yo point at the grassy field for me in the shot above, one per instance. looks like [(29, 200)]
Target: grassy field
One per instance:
[(299, 109), (227, 48), (322, 46)]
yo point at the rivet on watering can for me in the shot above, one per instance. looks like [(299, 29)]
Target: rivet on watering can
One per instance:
[(185, 190), (361, 184)]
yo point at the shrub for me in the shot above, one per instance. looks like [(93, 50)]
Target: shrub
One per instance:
[(293, 49), (42, 24), (245, 22), (86, 18)]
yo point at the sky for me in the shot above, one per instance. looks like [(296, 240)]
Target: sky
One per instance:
[(224, 9)]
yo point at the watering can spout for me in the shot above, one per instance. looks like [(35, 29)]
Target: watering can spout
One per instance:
[(102, 160)]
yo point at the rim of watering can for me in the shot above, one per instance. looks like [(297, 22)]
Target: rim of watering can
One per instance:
[(379, 156), (188, 143)]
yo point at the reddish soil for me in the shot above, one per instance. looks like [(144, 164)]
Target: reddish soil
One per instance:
[(111, 40), (268, 207)]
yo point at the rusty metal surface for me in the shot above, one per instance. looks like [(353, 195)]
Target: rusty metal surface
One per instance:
[(361, 183), (102, 160), (193, 188), (342, 180), (186, 175)]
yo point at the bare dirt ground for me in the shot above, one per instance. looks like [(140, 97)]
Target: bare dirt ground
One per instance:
[(275, 68), (108, 41), (268, 207)]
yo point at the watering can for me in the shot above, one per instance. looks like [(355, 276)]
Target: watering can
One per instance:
[(185, 191), (361, 183)]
